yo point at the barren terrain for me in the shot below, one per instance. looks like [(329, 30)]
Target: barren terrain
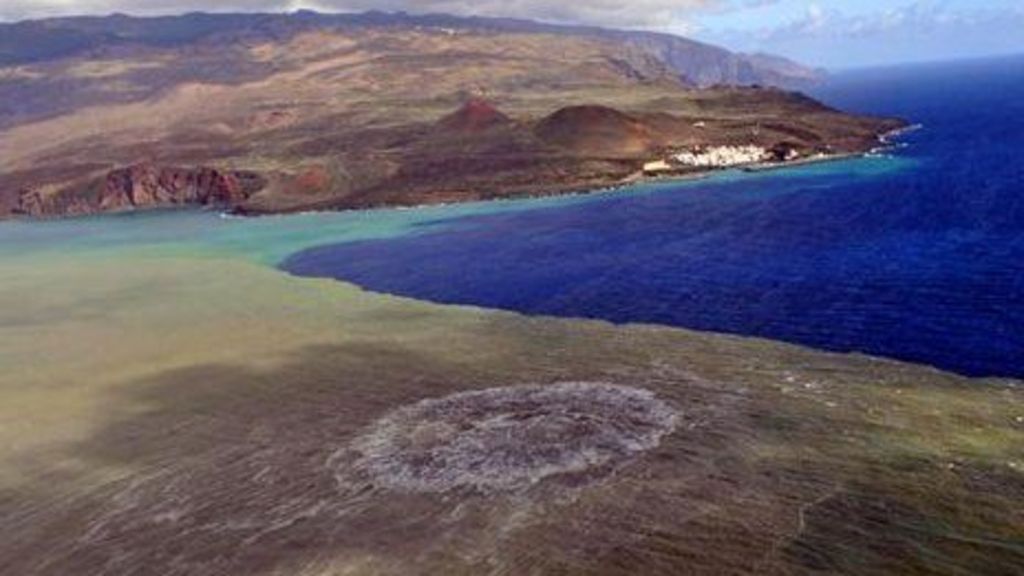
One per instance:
[(329, 117)]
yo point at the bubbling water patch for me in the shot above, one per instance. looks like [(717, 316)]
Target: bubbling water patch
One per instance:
[(508, 439)]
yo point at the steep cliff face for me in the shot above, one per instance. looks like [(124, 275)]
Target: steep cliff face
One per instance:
[(144, 186), (148, 185), (41, 203), (706, 65)]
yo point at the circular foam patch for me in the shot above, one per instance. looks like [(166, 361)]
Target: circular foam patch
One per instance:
[(510, 438)]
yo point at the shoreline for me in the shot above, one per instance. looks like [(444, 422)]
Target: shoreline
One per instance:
[(810, 161), (540, 192), (583, 190), (635, 179)]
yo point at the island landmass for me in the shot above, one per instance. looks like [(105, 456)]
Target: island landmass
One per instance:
[(311, 112)]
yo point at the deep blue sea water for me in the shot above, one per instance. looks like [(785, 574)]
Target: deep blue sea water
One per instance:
[(919, 257)]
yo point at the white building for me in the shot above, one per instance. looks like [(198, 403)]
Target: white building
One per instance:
[(657, 166), (723, 156)]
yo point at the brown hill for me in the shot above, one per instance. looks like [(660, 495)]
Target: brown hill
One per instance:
[(596, 130), (476, 115)]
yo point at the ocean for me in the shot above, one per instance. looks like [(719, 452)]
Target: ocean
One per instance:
[(916, 255)]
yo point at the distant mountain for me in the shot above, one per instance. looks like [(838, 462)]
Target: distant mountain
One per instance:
[(706, 65), (697, 63)]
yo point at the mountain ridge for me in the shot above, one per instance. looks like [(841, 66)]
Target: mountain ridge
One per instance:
[(699, 63)]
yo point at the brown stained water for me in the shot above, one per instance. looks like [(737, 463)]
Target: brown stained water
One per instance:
[(162, 413)]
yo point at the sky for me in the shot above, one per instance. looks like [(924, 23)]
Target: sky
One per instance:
[(836, 34)]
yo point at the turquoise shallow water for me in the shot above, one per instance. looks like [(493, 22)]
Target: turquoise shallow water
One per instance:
[(272, 239)]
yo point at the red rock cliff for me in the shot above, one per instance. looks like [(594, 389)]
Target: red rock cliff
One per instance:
[(146, 185)]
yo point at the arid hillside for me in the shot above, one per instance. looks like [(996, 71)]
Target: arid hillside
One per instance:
[(311, 115)]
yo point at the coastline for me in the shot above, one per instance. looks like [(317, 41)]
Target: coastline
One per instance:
[(597, 187), (540, 191), (556, 191), (810, 161)]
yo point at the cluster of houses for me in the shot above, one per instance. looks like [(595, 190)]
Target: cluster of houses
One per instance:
[(720, 157)]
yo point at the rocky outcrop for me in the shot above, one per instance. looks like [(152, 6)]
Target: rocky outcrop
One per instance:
[(39, 202), (144, 186), (148, 185), (706, 65)]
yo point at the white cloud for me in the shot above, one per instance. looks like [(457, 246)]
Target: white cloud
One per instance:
[(912, 31), (24, 9), (916, 19)]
